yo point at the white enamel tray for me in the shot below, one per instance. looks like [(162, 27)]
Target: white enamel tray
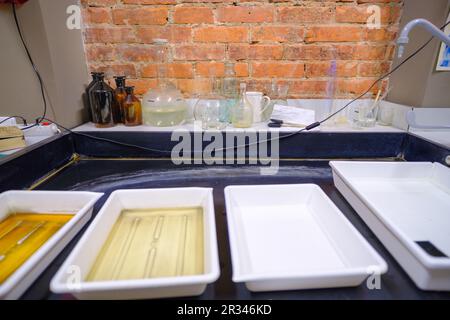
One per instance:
[(407, 206), (287, 237), (86, 251), (78, 203)]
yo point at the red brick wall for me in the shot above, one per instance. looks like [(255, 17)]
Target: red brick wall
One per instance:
[(266, 40)]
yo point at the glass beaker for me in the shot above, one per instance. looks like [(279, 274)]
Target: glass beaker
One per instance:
[(278, 93), (365, 112), (386, 115)]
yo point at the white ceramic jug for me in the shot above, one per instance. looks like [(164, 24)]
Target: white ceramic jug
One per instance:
[(259, 102)]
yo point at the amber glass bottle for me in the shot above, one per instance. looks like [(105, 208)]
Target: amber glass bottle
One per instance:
[(120, 94), (132, 110), (95, 78), (103, 103), (115, 109)]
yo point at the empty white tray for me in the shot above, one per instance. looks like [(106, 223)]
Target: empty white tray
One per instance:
[(407, 206), (287, 237), (78, 203), (84, 255)]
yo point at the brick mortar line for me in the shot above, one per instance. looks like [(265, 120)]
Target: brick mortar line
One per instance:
[(251, 75)]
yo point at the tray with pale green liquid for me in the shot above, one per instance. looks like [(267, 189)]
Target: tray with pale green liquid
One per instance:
[(152, 243)]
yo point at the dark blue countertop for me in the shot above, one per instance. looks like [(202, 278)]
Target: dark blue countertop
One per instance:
[(304, 159)]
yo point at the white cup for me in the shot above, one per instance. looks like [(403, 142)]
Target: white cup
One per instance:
[(259, 103)]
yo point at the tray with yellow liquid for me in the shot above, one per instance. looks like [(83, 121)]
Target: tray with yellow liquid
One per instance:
[(22, 234), (34, 227), (149, 243)]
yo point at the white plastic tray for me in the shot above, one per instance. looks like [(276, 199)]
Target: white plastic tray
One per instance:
[(287, 237), (78, 203), (85, 253), (407, 206)]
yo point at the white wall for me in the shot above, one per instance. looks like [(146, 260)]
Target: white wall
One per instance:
[(58, 54), (417, 83)]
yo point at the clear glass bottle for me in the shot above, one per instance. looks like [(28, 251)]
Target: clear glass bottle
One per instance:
[(242, 113), (163, 106), (120, 94), (132, 111)]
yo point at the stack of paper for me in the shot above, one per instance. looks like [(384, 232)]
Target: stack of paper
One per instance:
[(11, 138)]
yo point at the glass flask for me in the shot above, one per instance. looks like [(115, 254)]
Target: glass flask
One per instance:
[(163, 106), (132, 111), (242, 113), (211, 108), (278, 94), (120, 93)]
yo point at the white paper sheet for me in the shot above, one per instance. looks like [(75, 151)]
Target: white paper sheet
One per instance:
[(293, 114)]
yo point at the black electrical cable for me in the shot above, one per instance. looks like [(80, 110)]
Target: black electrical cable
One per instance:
[(107, 140), (319, 123), (307, 128), (36, 71), (384, 76), (12, 117)]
